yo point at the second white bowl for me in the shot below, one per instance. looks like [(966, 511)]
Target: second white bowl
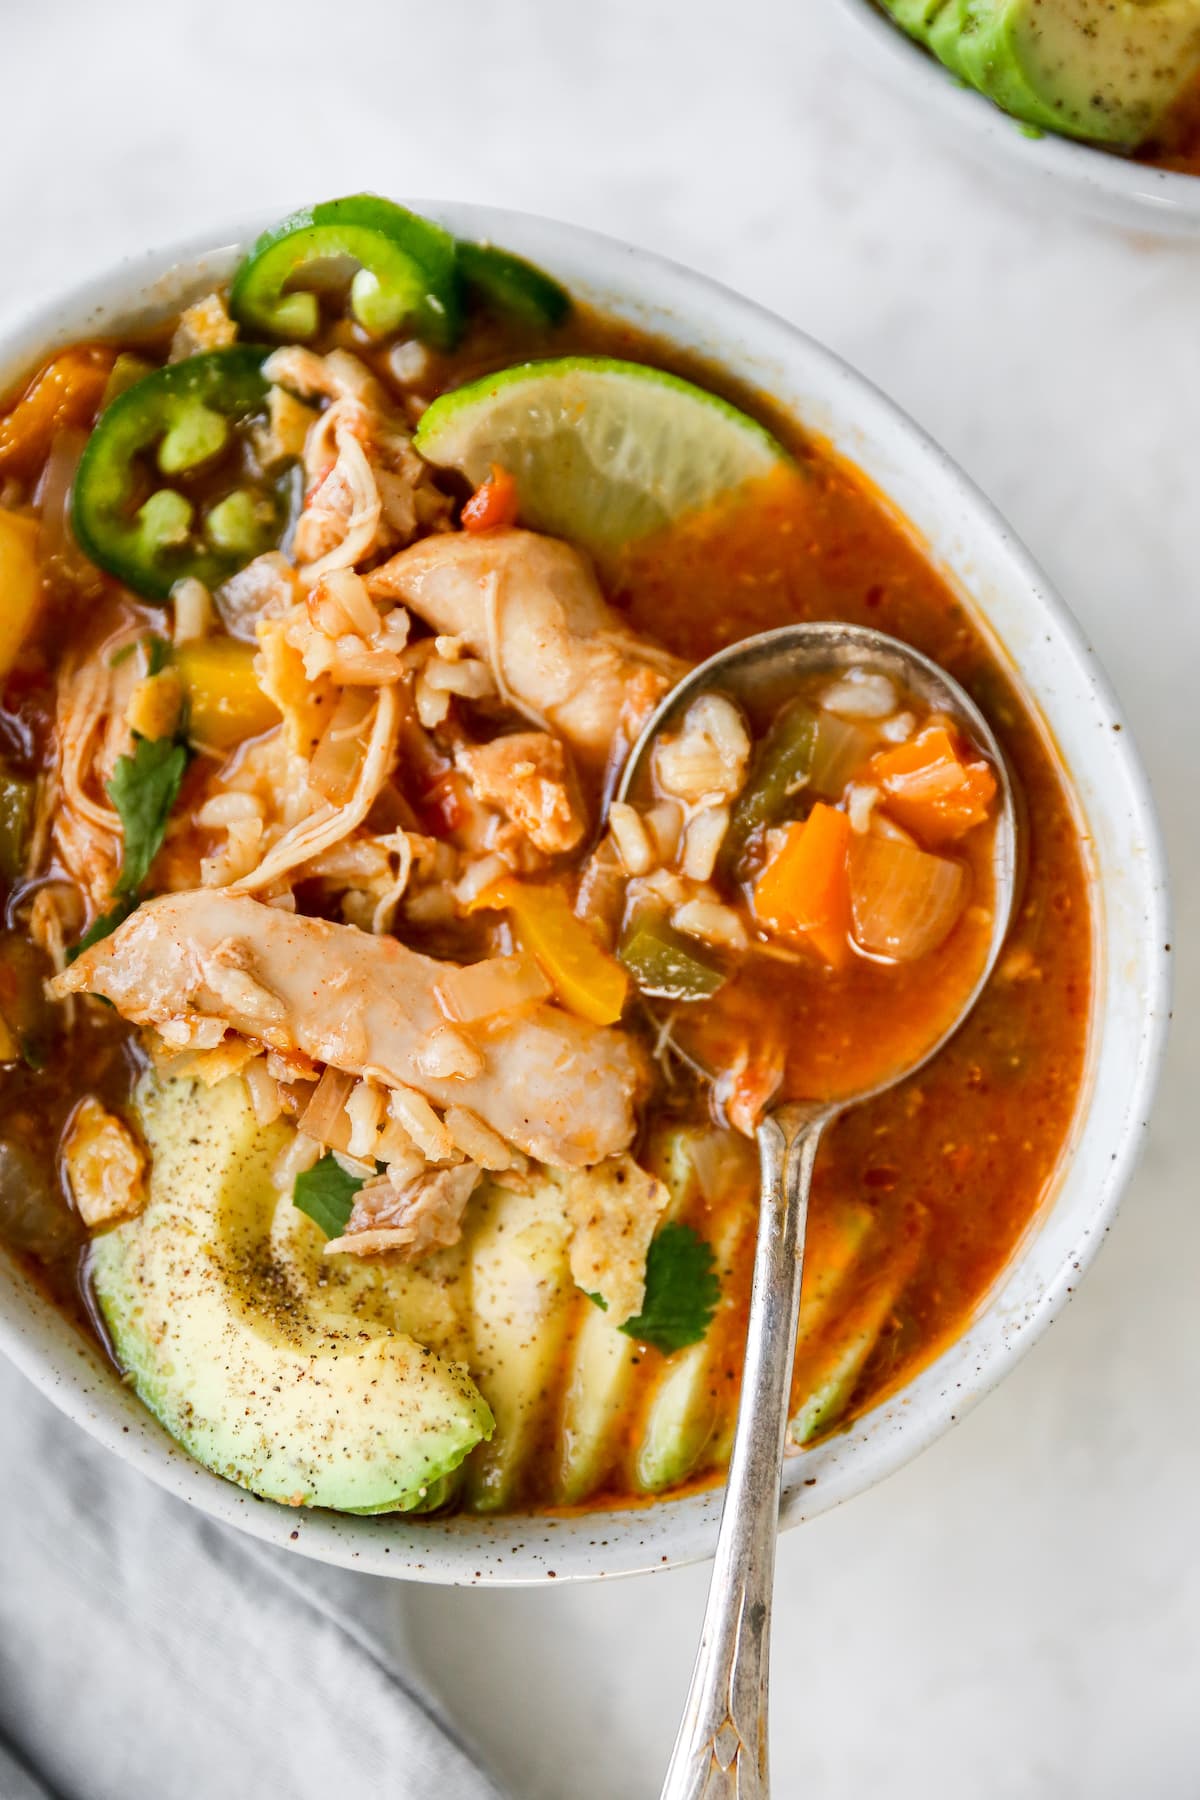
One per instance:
[(1101, 184)]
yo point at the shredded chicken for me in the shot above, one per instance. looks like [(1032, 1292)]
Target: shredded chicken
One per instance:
[(91, 731), (613, 1211), (411, 1219), (529, 777), (327, 825), (368, 490), (200, 963), (532, 607), (104, 1165)]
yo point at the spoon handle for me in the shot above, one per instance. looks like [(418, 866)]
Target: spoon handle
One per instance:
[(721, 1750)]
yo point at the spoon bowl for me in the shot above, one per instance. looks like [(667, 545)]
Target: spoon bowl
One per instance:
[(763, 670), (721, 1748)]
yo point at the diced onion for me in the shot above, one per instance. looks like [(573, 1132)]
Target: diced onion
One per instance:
[(904, 902), (718, 1159), (501, 984), (56, 540), (325, 1115), (335, 766), (839, 753)]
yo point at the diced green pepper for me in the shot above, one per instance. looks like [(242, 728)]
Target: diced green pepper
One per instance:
[(667, 964), (168, 424), (780, 768), (516, 290), (407, 270), (16, 816)]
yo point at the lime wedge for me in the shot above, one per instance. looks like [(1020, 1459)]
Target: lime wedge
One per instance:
[(603, 452)]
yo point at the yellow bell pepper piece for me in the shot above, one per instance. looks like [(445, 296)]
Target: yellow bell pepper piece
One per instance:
[(586, 979), (153, 710), (20, 584), (227, 704)]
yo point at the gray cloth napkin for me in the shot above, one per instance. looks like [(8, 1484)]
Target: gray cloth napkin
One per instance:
[(147, 1654)]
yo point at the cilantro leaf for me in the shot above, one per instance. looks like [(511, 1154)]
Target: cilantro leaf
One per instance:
[(682, 1291), (144, 788), (103, 927), (326, 1193)]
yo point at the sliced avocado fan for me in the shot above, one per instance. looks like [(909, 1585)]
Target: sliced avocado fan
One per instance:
[(311, 1380), (1103, 70)]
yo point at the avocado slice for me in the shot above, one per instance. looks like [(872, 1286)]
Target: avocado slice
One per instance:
[(522, 1302), (1103, 70), (311, 1380), (599, 1384), (687, 1405), (832, 1354)]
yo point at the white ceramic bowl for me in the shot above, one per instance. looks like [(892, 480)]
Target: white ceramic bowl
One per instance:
[(967, 538), (1106, 186)]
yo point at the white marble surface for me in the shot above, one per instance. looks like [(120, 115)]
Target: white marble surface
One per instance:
[(1016, 1614)]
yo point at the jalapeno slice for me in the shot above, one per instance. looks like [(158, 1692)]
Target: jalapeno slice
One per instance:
[(162, 491), (407, 271), (516, 290)]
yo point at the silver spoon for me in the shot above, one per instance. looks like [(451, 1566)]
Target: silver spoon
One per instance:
[(721, 1748)]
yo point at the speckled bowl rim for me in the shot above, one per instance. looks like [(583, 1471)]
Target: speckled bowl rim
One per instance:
[(966, 536), (1132, 194)]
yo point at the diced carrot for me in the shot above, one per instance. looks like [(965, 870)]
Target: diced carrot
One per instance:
[(804, 891), (493, 503), (585, 978), (932, 789), (66, 391)]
